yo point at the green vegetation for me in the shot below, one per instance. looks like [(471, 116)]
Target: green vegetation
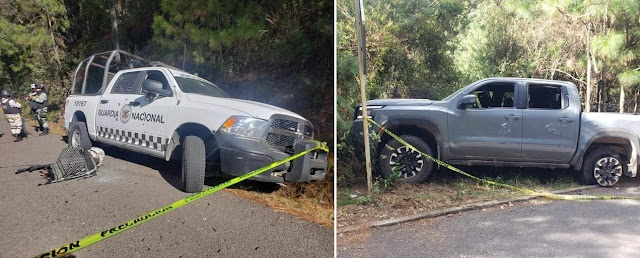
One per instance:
[(429, 49)]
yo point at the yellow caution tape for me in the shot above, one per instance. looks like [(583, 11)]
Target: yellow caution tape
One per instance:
[(97, 237), (520, 189)]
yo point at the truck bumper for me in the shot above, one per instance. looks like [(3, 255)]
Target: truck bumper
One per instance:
[(239, 156), (356, 133)]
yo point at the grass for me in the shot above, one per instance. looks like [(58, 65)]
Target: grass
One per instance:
[(445, 189), (311, 209), (344, 198)]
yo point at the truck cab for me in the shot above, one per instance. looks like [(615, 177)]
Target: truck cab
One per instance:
[(122, 100)]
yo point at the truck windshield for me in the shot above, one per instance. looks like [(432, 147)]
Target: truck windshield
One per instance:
[(188, 85), (453, 94)]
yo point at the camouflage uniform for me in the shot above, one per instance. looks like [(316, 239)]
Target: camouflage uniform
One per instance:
[(12, 109), (40, 101)]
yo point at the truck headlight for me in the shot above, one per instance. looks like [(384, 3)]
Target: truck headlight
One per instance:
[(358, 113), (244, 126)]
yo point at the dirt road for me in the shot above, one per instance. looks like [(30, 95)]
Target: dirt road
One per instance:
[(36, 218)]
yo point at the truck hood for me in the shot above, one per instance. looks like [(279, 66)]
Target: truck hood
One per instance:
[(251, 108), (400, 102)]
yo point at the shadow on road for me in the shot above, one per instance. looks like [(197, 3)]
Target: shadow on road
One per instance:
[(543, 175), (171, 171), (249, 185)]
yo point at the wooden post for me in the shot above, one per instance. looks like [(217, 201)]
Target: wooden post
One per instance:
[(362, 57)]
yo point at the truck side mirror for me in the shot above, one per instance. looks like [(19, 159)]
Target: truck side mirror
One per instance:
[(155, 87), (467, 101)]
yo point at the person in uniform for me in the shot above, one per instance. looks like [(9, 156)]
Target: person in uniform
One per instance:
[(39, 103), (12, 110), (33, 93)]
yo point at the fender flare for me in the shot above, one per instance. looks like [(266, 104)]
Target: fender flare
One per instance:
[(196, 129), (578, 158), (80, 116), (423, 122)]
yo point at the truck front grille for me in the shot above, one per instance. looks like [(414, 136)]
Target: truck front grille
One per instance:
[(308, 131), (285, 124), (282, 141), (284, 130)]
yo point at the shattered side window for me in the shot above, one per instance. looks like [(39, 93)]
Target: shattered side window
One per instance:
[(545, 96), (127, 83), (494, 95)]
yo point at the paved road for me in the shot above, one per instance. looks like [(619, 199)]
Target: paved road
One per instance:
[(36, 218), (540, 228)]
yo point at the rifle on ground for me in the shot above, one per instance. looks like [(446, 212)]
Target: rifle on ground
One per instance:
[(33, 168), (72, 163)]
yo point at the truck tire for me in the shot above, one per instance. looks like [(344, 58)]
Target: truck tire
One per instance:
[(193, 164), (416, 168), (603, 166), (79, 136)]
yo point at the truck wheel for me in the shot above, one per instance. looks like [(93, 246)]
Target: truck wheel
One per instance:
[(79, 137), (193, 164), (412, 166), (602, 166)]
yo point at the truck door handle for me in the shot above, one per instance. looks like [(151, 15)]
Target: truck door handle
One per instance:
[(134, 103), (512, 117), (566, 119), (104, 101)]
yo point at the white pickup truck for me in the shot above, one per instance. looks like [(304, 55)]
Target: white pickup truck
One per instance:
[(122, 100)]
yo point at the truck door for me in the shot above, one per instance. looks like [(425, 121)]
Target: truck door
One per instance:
[(550, 125), (145, 117), (491, 129), (110, 115)]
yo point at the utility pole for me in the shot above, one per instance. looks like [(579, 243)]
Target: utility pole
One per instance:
[(114, 24), (362, 58)]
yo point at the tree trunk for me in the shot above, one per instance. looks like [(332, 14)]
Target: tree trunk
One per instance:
[(587, 97), (600, 98), (621, 110), (635, 105), (56, 55), (114, 25)]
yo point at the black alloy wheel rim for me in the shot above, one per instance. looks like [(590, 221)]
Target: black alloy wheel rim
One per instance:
[(406, 161)]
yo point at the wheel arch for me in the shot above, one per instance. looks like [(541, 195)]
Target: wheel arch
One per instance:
[(194, 129), (621, 141), (78, 116), (423, 128)]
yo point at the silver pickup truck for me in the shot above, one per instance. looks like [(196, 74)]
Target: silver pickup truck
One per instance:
[(515, 122)]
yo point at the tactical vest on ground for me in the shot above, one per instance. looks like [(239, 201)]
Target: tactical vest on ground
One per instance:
[(8, 109)]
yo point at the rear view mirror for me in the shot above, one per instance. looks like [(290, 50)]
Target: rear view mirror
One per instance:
[(155, 87), (467, 101)]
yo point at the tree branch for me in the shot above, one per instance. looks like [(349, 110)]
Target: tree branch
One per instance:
[(344, 12), (565, 73)]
